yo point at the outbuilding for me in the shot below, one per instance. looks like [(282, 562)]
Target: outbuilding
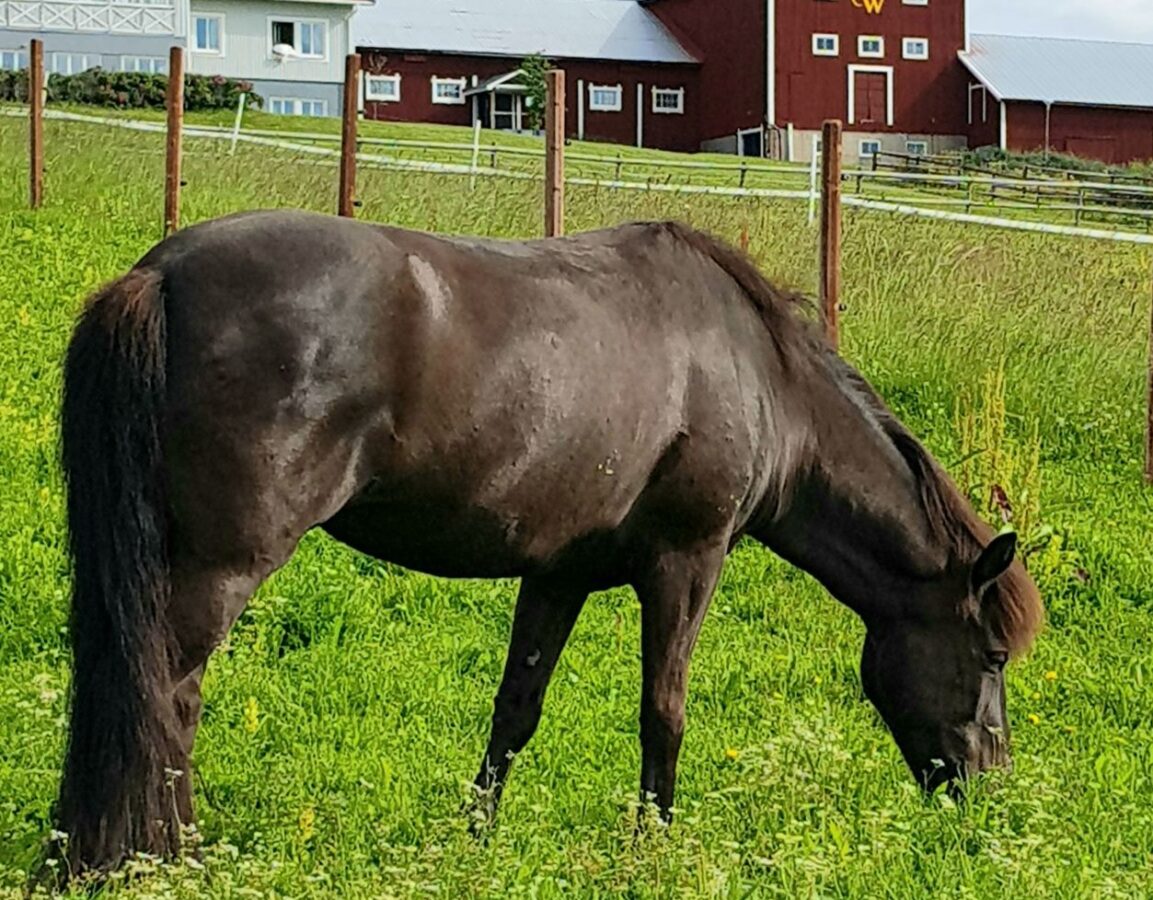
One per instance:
[(1092, 99), (630, 81)]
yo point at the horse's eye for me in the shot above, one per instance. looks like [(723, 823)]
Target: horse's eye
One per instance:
[(997, 659)]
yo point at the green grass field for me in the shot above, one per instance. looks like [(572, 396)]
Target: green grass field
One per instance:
[(350, 706)]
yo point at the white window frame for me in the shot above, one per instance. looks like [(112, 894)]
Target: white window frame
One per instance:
[(436, 81), (90, 61), (879, 53), (131, 63), (297, 22), (376, 96), (819, 51), (862, 153), (298, 106), (909, 54), (915, 2), (677, 110), (887, 71), (606, 107), (909, 145), (19, 58), (219, 51)]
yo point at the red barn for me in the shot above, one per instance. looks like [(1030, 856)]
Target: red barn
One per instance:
[(887, 68), (457, 61), (1092, 99)]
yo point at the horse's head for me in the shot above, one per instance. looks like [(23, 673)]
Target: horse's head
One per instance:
[(935, 670)]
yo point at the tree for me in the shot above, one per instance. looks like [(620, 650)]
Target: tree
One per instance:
[(535, 68)]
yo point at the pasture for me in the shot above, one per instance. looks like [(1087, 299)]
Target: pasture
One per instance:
[(349, 708)]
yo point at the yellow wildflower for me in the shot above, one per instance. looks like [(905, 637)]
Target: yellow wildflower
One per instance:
[(307, 823), (732, 753), (1036, 695), (1050, 676), (251, 715), (1034, 719)]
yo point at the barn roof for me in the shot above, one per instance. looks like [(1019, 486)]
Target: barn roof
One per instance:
[(618, 30), (1055, 70)]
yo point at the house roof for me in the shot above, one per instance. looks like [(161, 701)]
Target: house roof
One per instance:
[(618, 30), (1055, 70)]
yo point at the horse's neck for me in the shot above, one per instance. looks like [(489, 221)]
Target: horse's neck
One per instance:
[(851, 512)]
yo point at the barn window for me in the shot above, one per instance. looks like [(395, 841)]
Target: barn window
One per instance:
[(869, 149), (871, 46), (605, 97), (826, 45), (668, 100), (917, 148), (448, 91), (382, 88), (916, 48)]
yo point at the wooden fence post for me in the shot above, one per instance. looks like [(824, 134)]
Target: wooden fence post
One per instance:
[(831, 229), (175, 103), (347, 201), (554, 156), (36, 123)]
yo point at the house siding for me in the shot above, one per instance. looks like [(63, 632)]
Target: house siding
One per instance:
[(668, 131), (247, 50)]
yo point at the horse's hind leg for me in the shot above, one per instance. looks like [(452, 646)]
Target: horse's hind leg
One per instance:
[(546, 611), (674, 591)]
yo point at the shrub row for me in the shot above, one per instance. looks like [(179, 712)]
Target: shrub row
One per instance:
[(130, 90)]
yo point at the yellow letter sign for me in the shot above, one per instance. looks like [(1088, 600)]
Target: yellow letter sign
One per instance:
[(870, 6)]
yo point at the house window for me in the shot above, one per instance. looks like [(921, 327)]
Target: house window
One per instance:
[(668, 100), (206, 32), (306, 38), (153, 65), (13, 60), (605, 97), (72, 63), (826, 45), (385, 88), (449, 91), (294, 106), (871, 46), (869, 149), (915, 48), (917, 148)]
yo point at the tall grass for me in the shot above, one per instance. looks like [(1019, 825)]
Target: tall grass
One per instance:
[(351, 702)]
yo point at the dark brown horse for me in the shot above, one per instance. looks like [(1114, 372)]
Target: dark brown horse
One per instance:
[(614, 408)]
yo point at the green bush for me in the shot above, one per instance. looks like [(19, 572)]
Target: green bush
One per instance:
[(131, 90)]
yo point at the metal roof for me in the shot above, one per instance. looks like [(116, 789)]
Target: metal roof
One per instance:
[(561, 29), (1056, 70)]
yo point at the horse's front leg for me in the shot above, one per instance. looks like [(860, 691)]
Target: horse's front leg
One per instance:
[(546, 611), (674, 592)]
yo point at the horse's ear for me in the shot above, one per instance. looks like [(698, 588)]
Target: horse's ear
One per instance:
[(993, 562)]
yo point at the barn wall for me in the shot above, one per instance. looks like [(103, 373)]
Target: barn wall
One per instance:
[(985, 128), (729, 38), (928, 96), (1110, 135), (660, 130)]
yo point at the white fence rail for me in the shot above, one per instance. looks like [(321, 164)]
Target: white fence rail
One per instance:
[(312, 144)]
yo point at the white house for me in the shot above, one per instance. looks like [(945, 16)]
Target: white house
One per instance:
[(120, 35), (291, 50)]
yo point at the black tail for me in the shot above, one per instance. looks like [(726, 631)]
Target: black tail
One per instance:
[(116, 796)]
